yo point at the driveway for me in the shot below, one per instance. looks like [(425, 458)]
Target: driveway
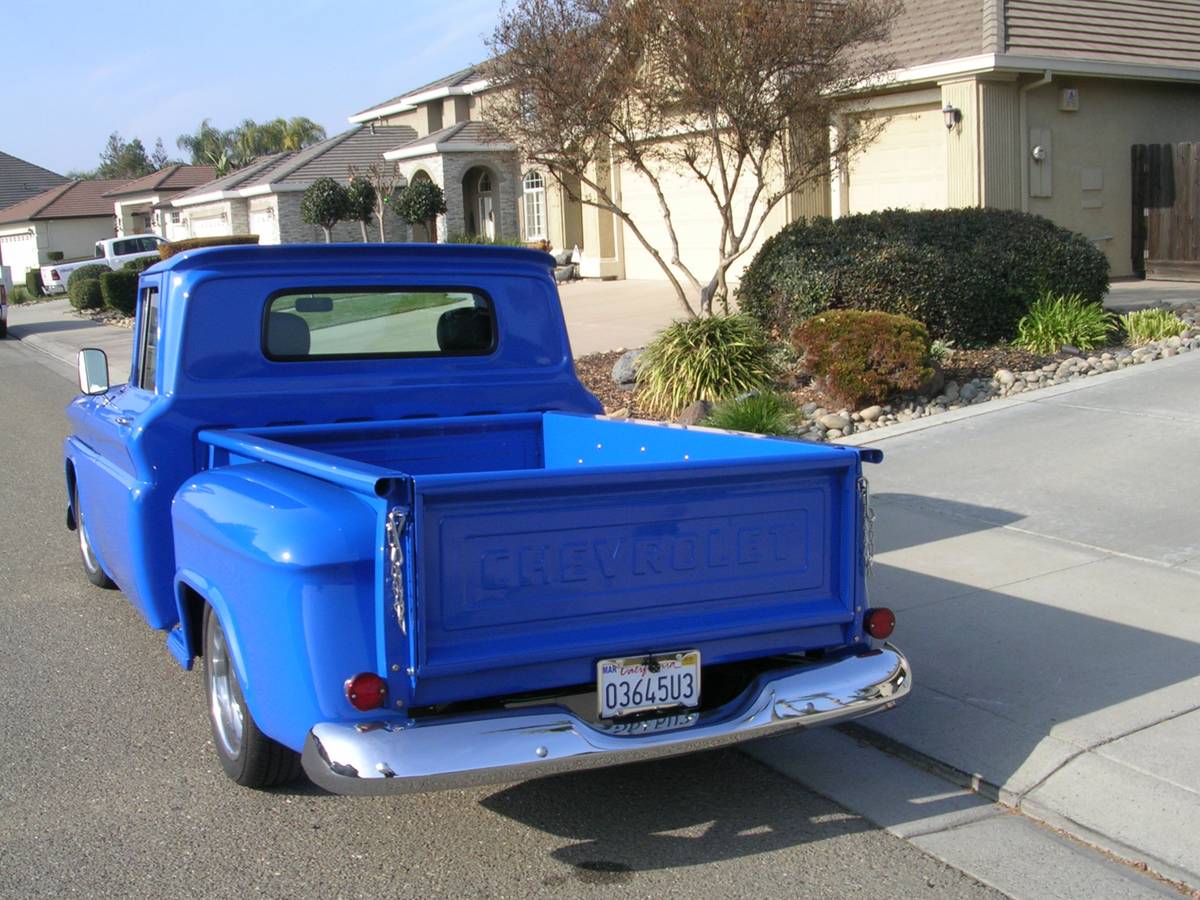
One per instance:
[(1043, 556)]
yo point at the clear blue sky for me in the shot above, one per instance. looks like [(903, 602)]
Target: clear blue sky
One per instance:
[(74, 72)]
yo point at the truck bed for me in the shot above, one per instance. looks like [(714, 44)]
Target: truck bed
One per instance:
[(542, 542)]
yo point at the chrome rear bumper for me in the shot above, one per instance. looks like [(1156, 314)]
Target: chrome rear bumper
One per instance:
[(404, 756)]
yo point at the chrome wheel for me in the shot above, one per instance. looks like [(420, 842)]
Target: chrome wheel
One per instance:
[(225, 707)]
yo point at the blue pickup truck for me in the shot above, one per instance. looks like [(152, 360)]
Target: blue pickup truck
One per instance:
[(364, 486)]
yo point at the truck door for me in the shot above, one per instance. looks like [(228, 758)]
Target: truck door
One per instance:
[(114, 485)]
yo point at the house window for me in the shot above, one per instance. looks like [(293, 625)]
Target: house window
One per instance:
[(175, 217), (535, 206)]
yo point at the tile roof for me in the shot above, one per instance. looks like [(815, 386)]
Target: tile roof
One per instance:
[(332, 158), (20, 179), (455, 79), (465, 134), (176, 177), (73, 200)]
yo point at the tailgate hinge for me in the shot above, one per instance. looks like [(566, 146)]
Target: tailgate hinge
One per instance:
[(394, 531)]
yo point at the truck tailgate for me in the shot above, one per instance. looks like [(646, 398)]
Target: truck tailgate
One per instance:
[(547, 572)]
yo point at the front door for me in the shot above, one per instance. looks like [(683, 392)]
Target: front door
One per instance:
[(487, 213)]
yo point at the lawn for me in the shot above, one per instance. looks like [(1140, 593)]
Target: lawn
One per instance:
[(373, 305)]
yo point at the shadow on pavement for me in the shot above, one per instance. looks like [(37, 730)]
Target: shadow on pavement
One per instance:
[(671, 813), (50, 327)]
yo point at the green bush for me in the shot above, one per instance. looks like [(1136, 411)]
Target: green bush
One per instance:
[(54, 255), (761, 413), (968, 275), (119, 290), (459, 237), (20, 294), (166, 251), (420, 203), (33, 282), (1054, 320), (1146, 325), (83, 286), (864, 357), (142, 263), (712, 358)]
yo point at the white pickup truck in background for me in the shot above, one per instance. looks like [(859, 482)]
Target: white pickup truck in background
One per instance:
[(112, 252)]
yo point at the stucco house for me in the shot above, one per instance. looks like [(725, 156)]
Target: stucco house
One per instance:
[(69, 219), (263, 198), (1017, 104), (138, 205)]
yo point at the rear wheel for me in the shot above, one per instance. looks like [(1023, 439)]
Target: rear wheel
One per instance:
[(247, 755), (91, 566)]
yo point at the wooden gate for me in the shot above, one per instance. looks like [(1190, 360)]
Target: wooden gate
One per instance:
[(1166, 211)]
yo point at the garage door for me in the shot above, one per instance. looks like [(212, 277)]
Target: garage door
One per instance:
[(208, 226), (905, 167), (262, 223), (697, 224)]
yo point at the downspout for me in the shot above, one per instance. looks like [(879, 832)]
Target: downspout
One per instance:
[(1023, 141)]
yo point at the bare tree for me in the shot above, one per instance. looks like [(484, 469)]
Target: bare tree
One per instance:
[(741, 95), (385, 179)]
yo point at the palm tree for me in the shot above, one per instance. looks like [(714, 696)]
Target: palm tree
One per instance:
[(300, 132)]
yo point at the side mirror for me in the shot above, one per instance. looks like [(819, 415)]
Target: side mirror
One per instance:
[(93, 371)]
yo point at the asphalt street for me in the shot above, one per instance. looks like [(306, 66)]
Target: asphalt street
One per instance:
[(110, 785)]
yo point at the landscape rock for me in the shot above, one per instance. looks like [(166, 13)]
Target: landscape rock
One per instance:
[(695, 413), (1005, 377), (624, 371), (871, 413), (834, 421)]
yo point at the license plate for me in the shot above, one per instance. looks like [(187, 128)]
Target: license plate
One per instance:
[(637, 683)]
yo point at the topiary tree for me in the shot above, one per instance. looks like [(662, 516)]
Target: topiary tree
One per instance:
[(33, 282), (361, 199), (325, 203), (420, 204), (119, 290)]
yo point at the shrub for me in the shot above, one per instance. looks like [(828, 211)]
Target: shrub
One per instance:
[(459, 237), (967, 274), (166, 251), (864, 357), (33, 282), (712, 358), (119, 290), (142, 263), (20, 294), (83, 286), (1054, 320), (761, 413), (54, 255), (1146, 325), (420, 203)]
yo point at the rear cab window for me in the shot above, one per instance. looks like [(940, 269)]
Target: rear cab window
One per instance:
[(357, 323)]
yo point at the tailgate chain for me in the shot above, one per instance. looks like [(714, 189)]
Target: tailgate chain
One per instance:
[(394, 529), (868, 515)]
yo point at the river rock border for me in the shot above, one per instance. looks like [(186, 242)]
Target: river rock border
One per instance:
[(826, 425)]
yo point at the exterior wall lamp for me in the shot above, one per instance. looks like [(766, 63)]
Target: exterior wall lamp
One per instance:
[(952, 115)]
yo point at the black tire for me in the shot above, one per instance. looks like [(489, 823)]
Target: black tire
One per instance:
[(91, 566), (247, 755), (3, 329)]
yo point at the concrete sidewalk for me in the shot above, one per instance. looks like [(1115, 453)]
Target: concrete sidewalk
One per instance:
[(1043, 557), (53, 328)]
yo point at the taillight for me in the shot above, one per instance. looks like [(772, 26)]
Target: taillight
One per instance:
[(54, 275), (366, 691), (879, 623)]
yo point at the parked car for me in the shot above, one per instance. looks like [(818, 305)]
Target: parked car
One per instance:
[(112, 252), (5, 287), (363, 484)]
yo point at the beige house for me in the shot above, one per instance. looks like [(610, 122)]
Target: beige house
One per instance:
[(263, 198), (138, 205), (1021, 104), (67, 219), (1017, 104)]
